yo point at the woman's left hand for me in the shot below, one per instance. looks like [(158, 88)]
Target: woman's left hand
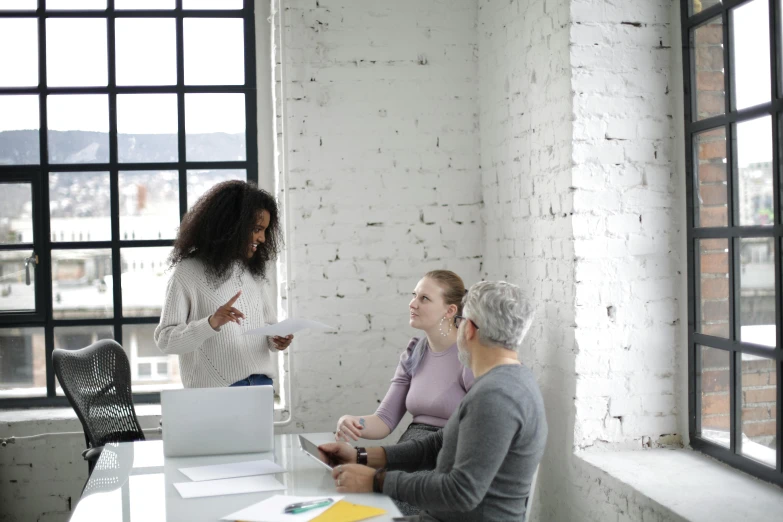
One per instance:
[(353, 478), (281, 343)]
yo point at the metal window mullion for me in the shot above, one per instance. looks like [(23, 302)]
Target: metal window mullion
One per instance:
[(45, 258), (734, 324), (114, 176), (774, 56), (251, 100), (749, 113), (181, 144)]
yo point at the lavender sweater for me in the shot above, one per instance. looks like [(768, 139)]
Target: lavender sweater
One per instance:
[(432, 394)]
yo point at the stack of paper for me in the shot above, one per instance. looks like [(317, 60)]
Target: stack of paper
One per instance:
[(272, 510), (288, 326), (230, 479), (346, 512)]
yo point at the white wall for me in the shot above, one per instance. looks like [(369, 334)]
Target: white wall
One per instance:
[(526, 149), (582, 210), (381, 126), (519, 140)]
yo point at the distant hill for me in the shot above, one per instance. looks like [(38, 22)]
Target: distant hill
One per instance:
[(22, 147)]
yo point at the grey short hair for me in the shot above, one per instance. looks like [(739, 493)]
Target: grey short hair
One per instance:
[(500, 311)]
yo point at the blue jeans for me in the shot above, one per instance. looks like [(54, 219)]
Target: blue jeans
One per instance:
[(254, 380)]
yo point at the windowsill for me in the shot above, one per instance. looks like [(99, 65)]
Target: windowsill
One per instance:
[(690, 485), (148, 414), (143, 412)]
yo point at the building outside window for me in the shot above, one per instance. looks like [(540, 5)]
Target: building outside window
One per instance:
[(734, 113), (116, 116)]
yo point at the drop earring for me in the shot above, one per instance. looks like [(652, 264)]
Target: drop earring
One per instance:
[(440, 327)]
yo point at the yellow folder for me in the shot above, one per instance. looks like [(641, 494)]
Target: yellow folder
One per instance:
[(344, 511)]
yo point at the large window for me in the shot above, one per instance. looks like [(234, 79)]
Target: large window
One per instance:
[(115, 116), (734, 127)]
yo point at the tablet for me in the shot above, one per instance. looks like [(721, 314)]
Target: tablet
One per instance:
[(313, 451)]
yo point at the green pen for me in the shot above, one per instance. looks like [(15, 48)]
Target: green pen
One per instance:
[(293, 509)]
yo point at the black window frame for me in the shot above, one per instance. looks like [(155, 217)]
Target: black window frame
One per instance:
[(732, 233), (38, 174)]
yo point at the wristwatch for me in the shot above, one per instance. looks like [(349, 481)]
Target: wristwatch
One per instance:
[(377, 480), (361, 456)]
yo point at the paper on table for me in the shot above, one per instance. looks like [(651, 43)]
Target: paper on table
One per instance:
[(271, 510), (234, 469), (288, 326), (232, 486), (344, 511)]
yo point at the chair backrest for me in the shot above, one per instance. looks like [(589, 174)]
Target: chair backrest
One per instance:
[(529, 501), (97, 382)]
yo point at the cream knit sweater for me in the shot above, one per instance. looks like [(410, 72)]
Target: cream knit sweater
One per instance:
[(209, 358)]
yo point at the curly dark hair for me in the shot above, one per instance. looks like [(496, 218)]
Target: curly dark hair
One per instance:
[(216, 230)]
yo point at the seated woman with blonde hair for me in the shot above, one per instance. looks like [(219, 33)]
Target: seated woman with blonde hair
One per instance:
[(430, 381)]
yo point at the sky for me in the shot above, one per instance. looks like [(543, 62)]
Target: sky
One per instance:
[(145, 51), (146, 55)]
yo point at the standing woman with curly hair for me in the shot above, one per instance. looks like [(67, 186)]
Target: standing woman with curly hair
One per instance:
[(216, 293)]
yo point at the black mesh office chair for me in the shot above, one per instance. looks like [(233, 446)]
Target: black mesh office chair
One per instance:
[(97, 382)]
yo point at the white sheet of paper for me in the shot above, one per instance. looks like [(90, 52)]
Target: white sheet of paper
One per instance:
[(232, 486), (288, 326), (271, 510), (235, 469)]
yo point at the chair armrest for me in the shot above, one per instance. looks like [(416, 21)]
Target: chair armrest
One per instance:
[(92, 454)]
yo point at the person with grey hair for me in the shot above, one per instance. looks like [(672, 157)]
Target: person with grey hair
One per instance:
[(480, 466)]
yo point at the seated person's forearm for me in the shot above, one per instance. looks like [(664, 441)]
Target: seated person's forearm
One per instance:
[(376, 457), (374, 428)]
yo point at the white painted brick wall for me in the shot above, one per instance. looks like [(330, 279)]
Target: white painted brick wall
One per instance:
[(581, 209), (381, 122), (526, 143), (626, 212), (401, 119)]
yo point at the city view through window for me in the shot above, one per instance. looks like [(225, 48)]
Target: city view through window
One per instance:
[(135, 131)]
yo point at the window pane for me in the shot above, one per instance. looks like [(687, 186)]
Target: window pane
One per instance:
[(75, 4), (215, 127), (82, 284), (715, 401), (144, 4), (22, 362), (712, 178), (149, 204), (80, 206), (754, 171), (19, 124), (151, 369), (147, 127), (759, 408), (76, 52), (750, 54), (212, 4), (214, 51), (200, 181), (79, 128), (19, 52), (714, 287), (15, 294), (19, 5), (16, 213), (78, 337), (145, 275), (146, 51), (757, 290), (708, 59)]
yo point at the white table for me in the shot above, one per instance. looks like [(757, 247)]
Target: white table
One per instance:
[(133, 482)]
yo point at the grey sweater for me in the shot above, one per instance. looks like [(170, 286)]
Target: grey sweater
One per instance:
[(480, 466)]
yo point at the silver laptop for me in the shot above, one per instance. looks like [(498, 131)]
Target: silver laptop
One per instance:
[(217, 421)]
